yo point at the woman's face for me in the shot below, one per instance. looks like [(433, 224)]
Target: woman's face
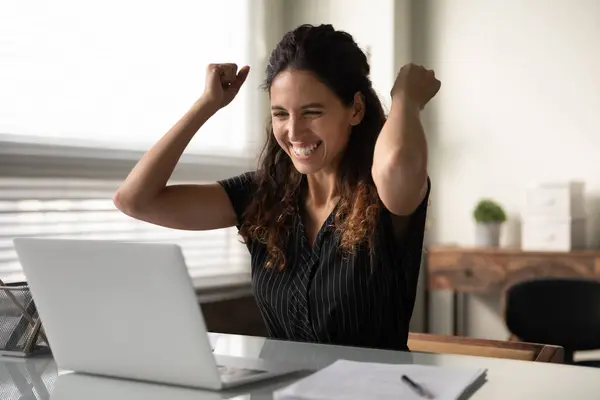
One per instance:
[(310, 123)]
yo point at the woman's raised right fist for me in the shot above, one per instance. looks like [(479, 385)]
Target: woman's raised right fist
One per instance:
[(223, 82)]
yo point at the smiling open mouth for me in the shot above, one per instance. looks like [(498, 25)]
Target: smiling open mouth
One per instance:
[(306, 150)]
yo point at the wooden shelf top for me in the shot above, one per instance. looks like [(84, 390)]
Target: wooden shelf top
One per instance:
[(438, 248)]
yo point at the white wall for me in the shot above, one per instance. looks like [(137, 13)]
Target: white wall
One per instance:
[(519, 102)]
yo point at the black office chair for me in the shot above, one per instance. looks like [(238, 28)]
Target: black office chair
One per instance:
[(558, 311)]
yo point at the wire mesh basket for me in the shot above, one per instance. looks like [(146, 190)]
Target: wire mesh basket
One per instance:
[(21, 331)]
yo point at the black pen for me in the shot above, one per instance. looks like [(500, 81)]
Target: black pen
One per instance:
[(418, 388)]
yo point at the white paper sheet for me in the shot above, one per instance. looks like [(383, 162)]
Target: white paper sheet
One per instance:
[(351, 380)]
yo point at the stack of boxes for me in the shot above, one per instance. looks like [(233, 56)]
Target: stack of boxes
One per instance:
[(554, 217)]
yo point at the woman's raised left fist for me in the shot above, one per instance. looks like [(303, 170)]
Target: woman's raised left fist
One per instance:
[(415, 84)]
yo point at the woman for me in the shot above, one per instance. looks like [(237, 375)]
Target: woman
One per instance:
[(334, 216)]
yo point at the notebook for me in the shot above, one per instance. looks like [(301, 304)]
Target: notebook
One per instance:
[(352, 380)]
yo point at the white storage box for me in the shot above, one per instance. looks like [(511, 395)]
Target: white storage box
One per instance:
[(553, 234), (556, 200)]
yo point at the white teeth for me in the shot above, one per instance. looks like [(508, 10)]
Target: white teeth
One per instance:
[(304, 151)]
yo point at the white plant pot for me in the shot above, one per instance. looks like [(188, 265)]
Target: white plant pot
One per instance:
[(487, 234)]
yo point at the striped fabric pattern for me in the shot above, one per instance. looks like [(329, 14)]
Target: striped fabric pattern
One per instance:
[(326, 298)]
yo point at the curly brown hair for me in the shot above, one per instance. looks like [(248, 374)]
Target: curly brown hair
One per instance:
[(335, 58)]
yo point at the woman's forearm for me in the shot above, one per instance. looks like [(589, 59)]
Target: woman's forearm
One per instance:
[(151, 174), (400, 158)]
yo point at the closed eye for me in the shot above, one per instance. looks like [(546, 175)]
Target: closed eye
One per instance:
[(310, 113), (313, 112)]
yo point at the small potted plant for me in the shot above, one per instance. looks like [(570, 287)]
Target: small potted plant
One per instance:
[(489, 217)]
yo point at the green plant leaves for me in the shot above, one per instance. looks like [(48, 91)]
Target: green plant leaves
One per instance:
[(488, 211)]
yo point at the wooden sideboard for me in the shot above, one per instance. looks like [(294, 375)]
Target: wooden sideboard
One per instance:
[(491, 270), (442, 344)]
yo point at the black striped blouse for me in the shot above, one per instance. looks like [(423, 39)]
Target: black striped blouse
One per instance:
[(323, 297)]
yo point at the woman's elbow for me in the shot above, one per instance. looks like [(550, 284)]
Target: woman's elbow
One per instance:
[(126, 203), (400, 189)]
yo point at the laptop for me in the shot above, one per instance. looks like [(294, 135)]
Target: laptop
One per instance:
[(128, 310)]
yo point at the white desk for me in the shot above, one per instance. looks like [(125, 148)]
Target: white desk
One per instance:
[(506, 379)]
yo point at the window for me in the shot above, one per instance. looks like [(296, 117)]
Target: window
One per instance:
[(82, 208), (88, 87), (119, 73)]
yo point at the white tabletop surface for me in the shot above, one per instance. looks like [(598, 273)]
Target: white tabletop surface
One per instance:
[(506, 379)]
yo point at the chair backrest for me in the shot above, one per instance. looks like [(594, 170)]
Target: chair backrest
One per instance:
[(442, 344), (560, 311)]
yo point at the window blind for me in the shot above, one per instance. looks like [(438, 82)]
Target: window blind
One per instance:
[(83, 208)]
